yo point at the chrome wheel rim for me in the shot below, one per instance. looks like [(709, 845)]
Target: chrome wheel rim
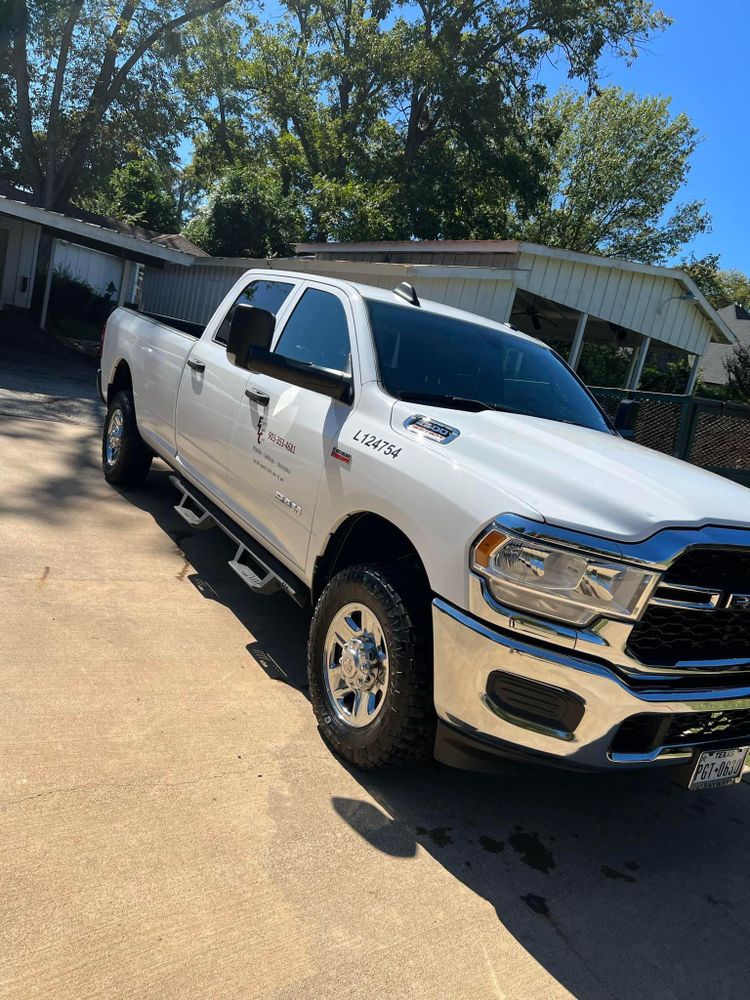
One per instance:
[(114, 436), (356, 666)]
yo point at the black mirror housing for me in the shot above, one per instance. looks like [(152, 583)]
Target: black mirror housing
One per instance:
[(328, 383), (250, 328), (626, 418)]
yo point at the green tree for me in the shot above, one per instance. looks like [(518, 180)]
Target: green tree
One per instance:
[(619, 161), (140, 194), (721, 287), (738, 371), (735, 287), (705, 273), (431, 109), (214, 80), (79, 66), (247, 214)]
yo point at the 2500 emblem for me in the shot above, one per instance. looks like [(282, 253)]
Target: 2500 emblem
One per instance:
[(373, 441)]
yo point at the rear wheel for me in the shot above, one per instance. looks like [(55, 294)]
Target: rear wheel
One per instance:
[(126, 458), (368, 667)]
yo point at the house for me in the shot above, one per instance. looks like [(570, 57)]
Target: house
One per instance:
[(737, 318), (107, 254)]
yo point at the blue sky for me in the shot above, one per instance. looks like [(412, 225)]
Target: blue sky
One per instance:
[(702, 63)]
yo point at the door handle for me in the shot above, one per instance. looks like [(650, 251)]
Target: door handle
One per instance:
[(197, 366), (257, 396)]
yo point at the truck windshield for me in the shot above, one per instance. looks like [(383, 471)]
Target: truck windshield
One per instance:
[(427, 357)]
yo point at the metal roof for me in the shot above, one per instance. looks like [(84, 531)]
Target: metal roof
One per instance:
[(101, 232), (638, 293)]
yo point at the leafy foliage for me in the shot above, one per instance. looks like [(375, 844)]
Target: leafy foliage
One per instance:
[(386, 120), (72, 297), (619, 161), (87, 73), (735, 288), (721, 287), (738, 371), (670, 376), (139, 193), (247, 215)]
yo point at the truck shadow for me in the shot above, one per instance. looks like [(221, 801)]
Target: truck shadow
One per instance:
[(619, 885)]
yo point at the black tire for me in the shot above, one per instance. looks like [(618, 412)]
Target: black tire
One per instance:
[(404, 730), (130, 464)]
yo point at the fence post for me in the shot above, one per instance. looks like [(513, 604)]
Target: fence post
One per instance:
[(686, 431)]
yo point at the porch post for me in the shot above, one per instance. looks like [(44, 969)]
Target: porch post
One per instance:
[(693, 377), (637, 370), (575, 348), (48, 286), (123, 281)]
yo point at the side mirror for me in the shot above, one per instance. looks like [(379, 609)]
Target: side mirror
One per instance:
[(626, 418), (327, 383), (250, 328)]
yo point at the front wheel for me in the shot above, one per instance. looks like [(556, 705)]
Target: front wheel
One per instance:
[(126, 458), (369, 667)]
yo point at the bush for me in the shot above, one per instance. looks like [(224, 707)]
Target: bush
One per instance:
[(738, 371), (73, 298)]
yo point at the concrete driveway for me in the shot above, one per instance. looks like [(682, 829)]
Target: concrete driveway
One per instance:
[(172, 825)]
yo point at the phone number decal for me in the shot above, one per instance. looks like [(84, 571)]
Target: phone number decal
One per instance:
[(281, 442), (378, 444)]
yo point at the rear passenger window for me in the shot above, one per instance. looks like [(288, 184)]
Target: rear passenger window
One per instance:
[(317, 333), (269, 295)]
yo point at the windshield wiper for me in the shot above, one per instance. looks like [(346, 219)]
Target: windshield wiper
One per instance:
[(456, 402)]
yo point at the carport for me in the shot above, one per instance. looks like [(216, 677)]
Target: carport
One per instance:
[(574, 301), (34, 240)]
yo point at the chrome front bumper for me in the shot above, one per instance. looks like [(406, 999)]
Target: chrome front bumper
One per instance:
[(467, 652)]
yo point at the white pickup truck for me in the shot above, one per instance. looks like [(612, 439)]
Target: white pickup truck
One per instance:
[(494, 570)]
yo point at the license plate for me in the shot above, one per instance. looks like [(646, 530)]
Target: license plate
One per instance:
[(718, 767)]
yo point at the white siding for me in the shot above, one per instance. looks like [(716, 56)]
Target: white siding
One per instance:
[(652, 304), (95, 268), (20, 262)]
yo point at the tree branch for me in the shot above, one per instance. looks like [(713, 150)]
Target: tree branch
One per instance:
[(29, 155), (54, 111), (102, 101)]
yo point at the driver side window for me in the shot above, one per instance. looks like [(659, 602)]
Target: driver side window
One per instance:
[(317, 333), (268, 295)]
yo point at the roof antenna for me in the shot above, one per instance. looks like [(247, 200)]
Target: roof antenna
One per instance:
[(406, 291)]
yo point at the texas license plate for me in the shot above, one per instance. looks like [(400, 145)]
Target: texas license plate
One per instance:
[(718, 767)]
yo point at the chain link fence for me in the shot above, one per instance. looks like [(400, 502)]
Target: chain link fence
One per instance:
[(707, 432)]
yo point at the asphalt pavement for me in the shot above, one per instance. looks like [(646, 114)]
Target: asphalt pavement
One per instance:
[(172, 825)]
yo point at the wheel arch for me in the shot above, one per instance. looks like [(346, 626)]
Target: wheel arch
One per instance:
[(122, 378), (361, 538)]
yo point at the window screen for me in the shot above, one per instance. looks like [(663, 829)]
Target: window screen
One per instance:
[(317, 333), (263, 294)]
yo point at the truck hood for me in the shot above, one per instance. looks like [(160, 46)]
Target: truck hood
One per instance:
[(582, 479)]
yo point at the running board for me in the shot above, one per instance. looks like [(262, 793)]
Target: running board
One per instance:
[(268, 584), (190, 511), (262, 572)]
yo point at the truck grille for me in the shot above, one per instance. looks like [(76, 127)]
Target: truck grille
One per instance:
[(643, 733), (667, 636), (691, 726)]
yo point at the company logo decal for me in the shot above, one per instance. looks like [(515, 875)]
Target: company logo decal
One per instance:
[(431, 430), (260, 430), (341, 456)]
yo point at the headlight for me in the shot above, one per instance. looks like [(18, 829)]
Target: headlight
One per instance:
[(559, 583)]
